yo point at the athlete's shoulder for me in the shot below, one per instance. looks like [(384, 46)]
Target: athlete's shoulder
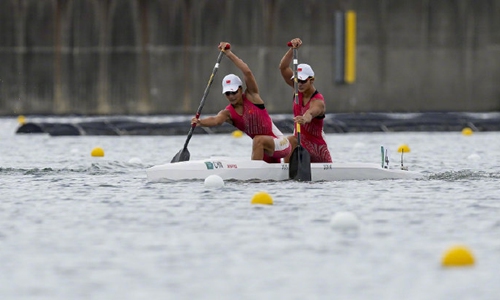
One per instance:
[(318, 95)]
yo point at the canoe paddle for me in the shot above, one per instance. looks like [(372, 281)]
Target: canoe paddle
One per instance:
[(300, 161), (183, 154)]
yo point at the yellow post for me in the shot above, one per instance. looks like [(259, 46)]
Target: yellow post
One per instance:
[(350, 47)]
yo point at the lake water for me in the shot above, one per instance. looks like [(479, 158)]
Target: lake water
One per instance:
[(74, 226)]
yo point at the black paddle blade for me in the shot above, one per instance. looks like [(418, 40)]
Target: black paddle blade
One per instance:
[(182, 155), (300, 165)]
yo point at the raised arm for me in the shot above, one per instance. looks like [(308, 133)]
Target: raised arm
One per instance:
[(251, 84), (252, 89), (286, 70)]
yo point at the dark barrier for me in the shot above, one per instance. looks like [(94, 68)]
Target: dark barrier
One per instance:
[(334, 123)]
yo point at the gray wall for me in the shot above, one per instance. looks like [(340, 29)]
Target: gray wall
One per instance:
[(155, 56)]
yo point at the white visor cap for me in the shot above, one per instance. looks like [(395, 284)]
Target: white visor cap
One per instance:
[(231, 83), (304, 71)]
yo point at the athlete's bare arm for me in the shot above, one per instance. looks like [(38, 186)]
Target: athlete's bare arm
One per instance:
[(252, 89), (285, 69), (219, 119), (316, 108)]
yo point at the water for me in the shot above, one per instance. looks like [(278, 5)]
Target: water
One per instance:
[(77, 227)]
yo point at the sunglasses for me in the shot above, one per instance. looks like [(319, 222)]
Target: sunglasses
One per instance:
[(231, 93), (302, 81)]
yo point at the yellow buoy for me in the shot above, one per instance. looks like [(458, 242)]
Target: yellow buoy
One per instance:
[(467, 131), (21, 119), (404, 148), (262, 198), (457, 256), (97, 152), (237, 133)]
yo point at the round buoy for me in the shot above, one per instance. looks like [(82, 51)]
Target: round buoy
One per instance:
[(467, 131), (474, 156), (97, 152), (458, 256), (135, 160), (21, 119), (214, 181), (404, 148), (237, 133), (345, 221), (262, 198), (359, 145)]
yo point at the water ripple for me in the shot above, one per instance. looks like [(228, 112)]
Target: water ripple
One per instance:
[(76, 227), (463, 175), (110, 167)]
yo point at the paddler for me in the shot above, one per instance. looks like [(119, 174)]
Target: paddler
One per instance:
[(247, 112), (310, 111)]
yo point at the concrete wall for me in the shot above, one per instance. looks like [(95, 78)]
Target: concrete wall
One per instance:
[(155, 56)]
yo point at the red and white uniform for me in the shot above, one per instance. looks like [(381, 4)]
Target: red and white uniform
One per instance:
[(312, 136), (255, 120)]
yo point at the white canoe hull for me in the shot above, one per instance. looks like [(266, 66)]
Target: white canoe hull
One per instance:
[(244, 169)]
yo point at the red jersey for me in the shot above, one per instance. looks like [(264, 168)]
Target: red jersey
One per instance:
[(254, 120), (312, 137)]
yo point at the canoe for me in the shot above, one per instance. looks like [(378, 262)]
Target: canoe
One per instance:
[(244, 169)]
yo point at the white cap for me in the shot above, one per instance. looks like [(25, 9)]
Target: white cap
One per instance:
[(231, 83), (304, 71)]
